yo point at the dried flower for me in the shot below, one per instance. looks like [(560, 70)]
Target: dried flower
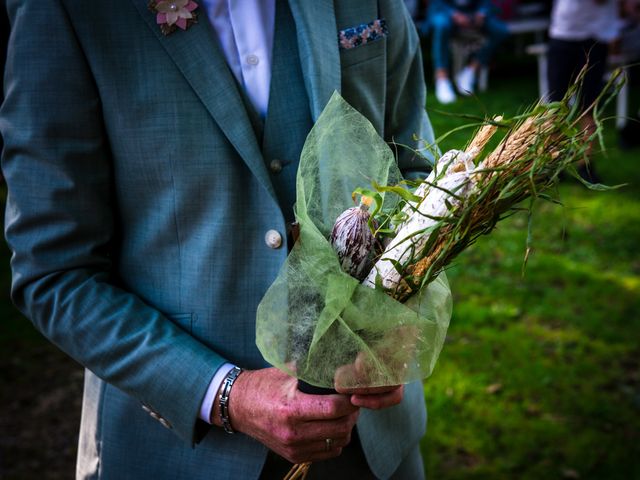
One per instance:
[(172, 14)]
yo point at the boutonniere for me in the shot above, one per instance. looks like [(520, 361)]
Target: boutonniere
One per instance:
[(174, 13)]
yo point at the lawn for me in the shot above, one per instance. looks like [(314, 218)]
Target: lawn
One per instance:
[(540, 374)]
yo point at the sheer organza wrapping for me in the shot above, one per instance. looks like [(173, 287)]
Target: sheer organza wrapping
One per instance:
[(318, 323)]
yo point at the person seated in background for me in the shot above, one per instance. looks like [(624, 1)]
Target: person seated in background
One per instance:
[(447, 17)]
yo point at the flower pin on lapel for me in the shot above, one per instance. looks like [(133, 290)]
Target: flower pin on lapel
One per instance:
[(172, 14)]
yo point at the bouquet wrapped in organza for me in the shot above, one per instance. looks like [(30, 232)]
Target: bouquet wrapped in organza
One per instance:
[(362, 299), (316, 320)]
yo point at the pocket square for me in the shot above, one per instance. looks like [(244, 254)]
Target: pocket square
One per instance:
[(364, 33)]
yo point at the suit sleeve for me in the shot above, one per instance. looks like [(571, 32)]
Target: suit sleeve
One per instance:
[(406, 120), (61, 227)]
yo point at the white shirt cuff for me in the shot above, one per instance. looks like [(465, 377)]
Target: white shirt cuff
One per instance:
[(214, 386)]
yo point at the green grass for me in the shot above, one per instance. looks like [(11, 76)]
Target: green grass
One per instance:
[(540, 374)]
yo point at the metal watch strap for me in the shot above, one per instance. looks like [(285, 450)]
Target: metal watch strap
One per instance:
[(227, 383)]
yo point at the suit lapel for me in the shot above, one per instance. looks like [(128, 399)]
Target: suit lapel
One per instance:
[(198, 56), (319, 57)]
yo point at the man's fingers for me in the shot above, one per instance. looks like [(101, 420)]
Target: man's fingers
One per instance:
[(376, 402), (368, 390), (322, 407), (318, 446), (360, 372), (339, 429)]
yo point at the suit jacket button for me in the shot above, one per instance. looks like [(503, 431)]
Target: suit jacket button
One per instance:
[(273, 239), (275, 166)]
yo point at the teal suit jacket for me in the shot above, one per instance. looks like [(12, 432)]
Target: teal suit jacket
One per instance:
[(139, 198)]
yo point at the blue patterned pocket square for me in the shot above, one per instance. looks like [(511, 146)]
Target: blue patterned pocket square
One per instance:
[(367, 32)]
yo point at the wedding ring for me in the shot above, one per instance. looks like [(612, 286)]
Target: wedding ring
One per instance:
[(328, 444)]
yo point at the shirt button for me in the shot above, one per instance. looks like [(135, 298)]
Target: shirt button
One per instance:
[(253, 59), (275, 166), (273, 239)]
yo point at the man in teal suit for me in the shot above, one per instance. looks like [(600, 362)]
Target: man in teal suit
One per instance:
[(150, 200)]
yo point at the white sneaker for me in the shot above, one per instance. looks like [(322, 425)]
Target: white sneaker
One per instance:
[(466, 80), (444, 91)]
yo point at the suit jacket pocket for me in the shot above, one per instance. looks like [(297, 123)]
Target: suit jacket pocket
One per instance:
[(363, 53)]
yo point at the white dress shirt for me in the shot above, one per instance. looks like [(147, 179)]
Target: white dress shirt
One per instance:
[(245, 32), (578, 20)]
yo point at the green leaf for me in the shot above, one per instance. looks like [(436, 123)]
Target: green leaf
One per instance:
[(400, 191)]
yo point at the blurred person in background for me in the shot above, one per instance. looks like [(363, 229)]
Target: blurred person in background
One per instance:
[(628, 49), (448, 17), (579, 35)]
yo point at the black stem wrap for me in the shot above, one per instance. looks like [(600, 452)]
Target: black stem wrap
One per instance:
[(305, 387)]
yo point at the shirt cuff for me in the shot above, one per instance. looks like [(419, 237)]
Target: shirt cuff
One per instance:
[(214, 386)]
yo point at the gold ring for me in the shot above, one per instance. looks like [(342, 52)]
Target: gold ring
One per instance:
[(328, 444)]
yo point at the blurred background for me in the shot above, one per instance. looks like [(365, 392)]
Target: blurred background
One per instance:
[(540, 374)]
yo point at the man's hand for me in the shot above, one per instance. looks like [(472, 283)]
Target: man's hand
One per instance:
[(267, 405)]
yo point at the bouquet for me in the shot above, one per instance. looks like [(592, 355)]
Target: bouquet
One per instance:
[(316, 319), (364, 284)]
